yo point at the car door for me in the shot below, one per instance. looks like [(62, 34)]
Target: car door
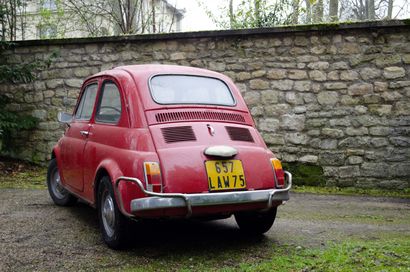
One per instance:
[(76, 137), (108, 132)]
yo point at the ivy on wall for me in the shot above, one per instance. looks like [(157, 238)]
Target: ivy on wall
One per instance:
[(10, 121)]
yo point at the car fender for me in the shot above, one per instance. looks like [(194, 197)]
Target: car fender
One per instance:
[(111, 168)]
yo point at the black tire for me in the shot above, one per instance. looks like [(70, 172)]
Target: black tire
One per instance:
[(58, 194), (114, 226), (256, 223)]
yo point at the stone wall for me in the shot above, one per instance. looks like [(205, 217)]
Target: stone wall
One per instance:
[(333, 96)]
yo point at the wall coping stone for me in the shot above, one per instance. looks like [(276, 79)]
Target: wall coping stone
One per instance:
[(320, 28)]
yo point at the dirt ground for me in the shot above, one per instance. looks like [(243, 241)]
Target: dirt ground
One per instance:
[(37, 235)]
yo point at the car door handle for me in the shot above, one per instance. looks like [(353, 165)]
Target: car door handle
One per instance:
[(84, 132)]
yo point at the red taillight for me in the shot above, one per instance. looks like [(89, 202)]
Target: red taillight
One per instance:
[(279, 174), (153, 177)]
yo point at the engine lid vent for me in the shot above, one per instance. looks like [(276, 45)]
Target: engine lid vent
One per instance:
[(178, 134), (239, 134), (198, 115)]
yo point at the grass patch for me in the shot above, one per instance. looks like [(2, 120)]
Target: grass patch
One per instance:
[(305, 174), (405, 193), (25, 180), (381, 255), (384, 254)]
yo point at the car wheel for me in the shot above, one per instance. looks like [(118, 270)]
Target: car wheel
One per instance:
[(255, 222), (58, 194), (113, 224)]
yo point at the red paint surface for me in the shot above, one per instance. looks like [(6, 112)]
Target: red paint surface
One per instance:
[(121, 149)]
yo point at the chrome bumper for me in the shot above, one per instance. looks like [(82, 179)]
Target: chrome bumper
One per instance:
[(167, 200)]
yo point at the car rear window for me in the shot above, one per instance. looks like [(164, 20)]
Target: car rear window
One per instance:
[(187, 89)]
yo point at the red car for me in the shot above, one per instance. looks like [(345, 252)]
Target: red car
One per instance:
[(162, 141)]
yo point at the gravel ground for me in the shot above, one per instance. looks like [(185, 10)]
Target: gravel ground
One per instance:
[(36, 235)]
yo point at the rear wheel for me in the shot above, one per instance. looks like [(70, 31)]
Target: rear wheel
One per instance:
[(58, 194), (113, 224), (255, 222)]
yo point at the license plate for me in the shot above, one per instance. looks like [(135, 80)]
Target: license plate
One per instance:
[(225, 175)]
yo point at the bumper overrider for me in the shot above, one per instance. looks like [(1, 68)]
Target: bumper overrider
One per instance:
[(157, 201)]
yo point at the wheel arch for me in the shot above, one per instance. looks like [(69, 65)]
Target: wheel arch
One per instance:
[(107, 168)]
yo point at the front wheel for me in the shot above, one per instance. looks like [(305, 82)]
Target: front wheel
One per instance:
[(256, 222), (113, 224), (58, 194)]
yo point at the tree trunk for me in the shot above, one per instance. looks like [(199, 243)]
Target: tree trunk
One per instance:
[(390, 9), (371, 14), (333, 9), (308, 12), (154, 29), (295, 13), (318, 12), (231, 16), (258, 20)]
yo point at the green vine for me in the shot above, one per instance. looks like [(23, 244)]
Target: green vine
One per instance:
[(11, 122)]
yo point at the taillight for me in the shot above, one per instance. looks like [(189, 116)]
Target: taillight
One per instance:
[(280, 176), (153, 177)]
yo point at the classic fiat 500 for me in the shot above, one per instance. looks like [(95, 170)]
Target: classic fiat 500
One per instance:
[(162, 141)]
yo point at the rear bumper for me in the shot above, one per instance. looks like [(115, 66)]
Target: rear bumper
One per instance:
[(166, 200)]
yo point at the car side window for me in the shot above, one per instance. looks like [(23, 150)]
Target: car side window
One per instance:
[(86, 106), (109, 107)]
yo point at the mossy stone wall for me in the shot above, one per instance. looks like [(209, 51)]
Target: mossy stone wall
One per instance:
[(335, 97)]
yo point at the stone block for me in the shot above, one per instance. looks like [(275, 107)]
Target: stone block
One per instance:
[(277, 109), (379, 131), (349, 75), (296, 138), (387, 60), (331, 158), (379, 142), (297, 74), (283, 85), (241, 76), (328, 98), (400, 141), (332, 133), (269, 97), (309, 159), (74, 83), (371, 98), (273, 139), (302, 86), (269, 124), (375, 169), (217, 66), (380, 110), (394, 72), (356, 131), (257, 111), (349, 49), (177, 56), (328, 144), (369, 73), (259, 84), (293, 122), (276, 74), (319, 65), (294, 98), (349, 171), (335, 85), (354, 160), (317, 75), (252, 98), (360, 89), (259, 73), (402, 108)]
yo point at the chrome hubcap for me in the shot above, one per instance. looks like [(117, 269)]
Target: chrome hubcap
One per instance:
[(108, 214), (56, 187)]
